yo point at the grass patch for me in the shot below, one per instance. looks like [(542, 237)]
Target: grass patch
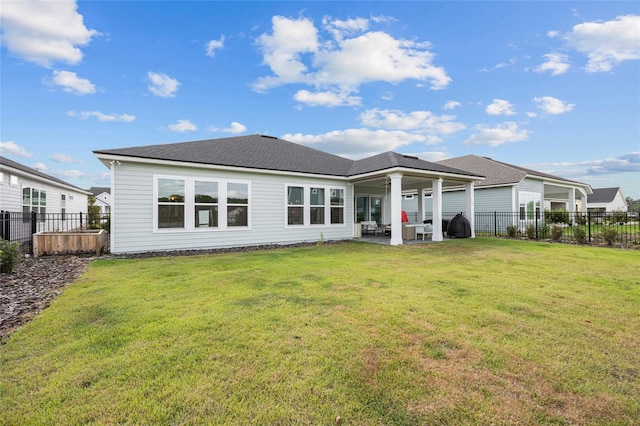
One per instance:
[(464, 332)]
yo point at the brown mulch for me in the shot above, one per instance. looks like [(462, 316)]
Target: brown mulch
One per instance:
[(32, 286)]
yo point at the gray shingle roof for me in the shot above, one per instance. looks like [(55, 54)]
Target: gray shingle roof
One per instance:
[(32, 171), (271, 153), (497, 172), (602, 195), (97, 190)]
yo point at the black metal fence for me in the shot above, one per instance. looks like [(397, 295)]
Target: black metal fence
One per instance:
[(20, 227), (590, 227)]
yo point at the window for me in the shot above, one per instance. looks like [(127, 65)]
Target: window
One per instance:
[(314, 205), (206, 204), (529, 205), (317, 206), (34, 200), (171, 196), (237, 204), (337, 206), (295, 205), (194, 203)]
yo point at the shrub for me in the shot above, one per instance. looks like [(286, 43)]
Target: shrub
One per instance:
[(531, 231), (544, 232), (9, 256), (580, 235), (556, 233), (556, 216), (512, 231), (610, 235), (619, 216)]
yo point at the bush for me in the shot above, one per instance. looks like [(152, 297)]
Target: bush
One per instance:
[(580, 235), (556, 216), (543, 232), (9, 256), (512, 231), (619, 217), (531, 231), (556, 233), (610, 235)]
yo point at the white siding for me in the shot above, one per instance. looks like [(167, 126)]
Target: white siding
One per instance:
[(133, 205), (486, 200), (11, 196)]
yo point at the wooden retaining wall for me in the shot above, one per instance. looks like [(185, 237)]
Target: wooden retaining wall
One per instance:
[(69, 242)]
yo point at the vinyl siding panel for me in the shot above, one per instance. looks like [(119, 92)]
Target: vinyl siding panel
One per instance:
[(133, 212), (486, 200)]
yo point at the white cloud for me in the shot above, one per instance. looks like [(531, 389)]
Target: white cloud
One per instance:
[(557, 63), (503, 133), (214, 45), (12, 148), (62, 158), (551, 105), (296, 54), (235, 128), (71, 83), (329, 99), (162, 85), (183, 126), (607, 44), (102, 116), (40, 166), (432, 156), (70, 174), (500, 107), (357, 143), (340, 29), (416, 121), (452, 105), (43, 31), (627, 163)]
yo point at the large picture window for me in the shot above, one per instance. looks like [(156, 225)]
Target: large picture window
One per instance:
[(171, 196), (237, 204), (314, 205), (34, 200), (295, 205), (198, 203), (206, 204)]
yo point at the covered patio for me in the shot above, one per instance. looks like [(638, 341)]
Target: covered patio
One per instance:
[(378, 195)]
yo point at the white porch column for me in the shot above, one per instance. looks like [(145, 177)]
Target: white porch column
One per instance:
[(572, 204), (469, 206), (396, 209), (584, 204), (436, 195)]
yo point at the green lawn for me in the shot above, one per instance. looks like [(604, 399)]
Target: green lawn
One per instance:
[(462, 332)]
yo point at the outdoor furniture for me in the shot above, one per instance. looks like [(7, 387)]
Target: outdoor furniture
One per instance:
[(423, 230), (371, 227)]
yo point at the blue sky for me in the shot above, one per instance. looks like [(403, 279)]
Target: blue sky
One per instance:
[(554, 86)]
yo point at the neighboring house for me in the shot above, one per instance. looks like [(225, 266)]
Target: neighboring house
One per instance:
[(509, 188), (606, 200), (257, 190), (24, 190), (102, 195)]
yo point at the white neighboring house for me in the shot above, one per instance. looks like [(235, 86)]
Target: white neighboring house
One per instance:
[(24, 190), (256, 190), (102, 196), (607, 200)]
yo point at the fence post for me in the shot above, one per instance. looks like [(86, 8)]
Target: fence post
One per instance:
[(589, 224), (537, 219), (495, 223), (80, 220), (6, 225)]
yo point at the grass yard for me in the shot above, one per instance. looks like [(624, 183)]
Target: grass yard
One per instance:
[(484, 331)]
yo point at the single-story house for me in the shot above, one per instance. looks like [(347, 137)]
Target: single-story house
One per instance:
[(607, 200), (507, 188), (25, 190), (257, 190), (102, 196)]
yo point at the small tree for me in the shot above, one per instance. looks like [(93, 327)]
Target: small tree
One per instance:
[(580, 235), (94, 212), (557, 232), (610, 235), (9, 256)]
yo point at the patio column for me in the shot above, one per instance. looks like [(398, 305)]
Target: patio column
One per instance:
[(572, 205), (469, 206), (436, 195), (396, 209)]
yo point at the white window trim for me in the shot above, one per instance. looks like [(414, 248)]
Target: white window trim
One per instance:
[(306, 206), (189, 205)]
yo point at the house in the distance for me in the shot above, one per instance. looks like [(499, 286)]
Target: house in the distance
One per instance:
[(606, 200), (24, 190), (102, 196), (261, 190)]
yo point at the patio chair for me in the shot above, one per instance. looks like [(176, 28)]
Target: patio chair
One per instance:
[(425, 229), (369, 227)]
